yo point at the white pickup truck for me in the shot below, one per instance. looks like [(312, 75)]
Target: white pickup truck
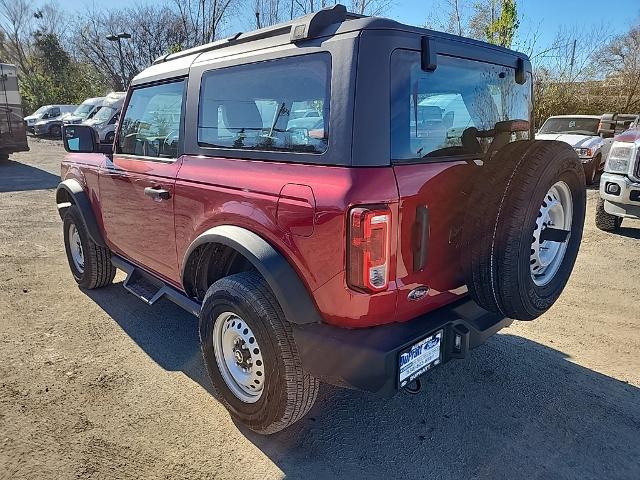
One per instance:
[(582, 133)]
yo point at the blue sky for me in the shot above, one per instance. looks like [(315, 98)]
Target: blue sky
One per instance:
[(545, 17)]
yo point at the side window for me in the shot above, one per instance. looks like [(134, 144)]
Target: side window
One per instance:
[(278, 105), (114, 119), (54, 112), (464, 107), (151, 123)]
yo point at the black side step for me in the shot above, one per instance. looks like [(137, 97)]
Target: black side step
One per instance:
[(150, 289)]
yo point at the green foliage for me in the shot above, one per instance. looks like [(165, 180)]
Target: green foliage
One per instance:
[(55, 77), (501, 30)]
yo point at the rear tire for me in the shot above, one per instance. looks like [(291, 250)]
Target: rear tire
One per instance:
[(90, 263), (503, 256), (604, 220), (253, 345), (591, 172), (55, 131)]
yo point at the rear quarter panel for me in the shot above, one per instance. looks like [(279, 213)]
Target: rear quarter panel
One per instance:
[(215, 191)]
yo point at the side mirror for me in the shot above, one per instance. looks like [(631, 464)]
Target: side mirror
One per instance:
[(82, 139)]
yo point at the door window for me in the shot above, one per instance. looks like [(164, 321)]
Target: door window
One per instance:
[(462, 108), (54, 112), (151, 124), (278, 105)]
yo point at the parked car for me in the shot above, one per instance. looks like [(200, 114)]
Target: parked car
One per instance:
[(105, 119), (85, 111), (620, 184), (51, 127), (13, 136), (582, 133), (45, 114), (363, 255)]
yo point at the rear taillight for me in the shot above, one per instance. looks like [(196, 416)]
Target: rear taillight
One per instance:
[(368, 249)]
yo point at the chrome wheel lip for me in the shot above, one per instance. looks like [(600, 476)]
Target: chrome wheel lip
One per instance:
[(556, 211), (75, 247), (242, 369)]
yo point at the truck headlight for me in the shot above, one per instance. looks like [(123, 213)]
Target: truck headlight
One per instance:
[(584, 152), (620, 157)]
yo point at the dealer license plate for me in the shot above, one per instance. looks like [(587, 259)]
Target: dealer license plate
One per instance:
[(420, 357)]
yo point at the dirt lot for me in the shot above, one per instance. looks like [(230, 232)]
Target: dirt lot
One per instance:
[(98, 385)]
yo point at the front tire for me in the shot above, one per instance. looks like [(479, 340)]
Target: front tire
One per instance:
[(604, 220), (90, 263), (251, 355)]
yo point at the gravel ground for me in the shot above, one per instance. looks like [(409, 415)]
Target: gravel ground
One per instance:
[(99, 385)]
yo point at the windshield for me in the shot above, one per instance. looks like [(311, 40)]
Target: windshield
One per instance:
[(104, 114), (577, 126), (83, 110), (41, 110)]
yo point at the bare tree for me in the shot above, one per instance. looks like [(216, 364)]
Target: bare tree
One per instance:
[(620, 60), (155, 31), (268, 12), (370, 7), (566, 74), (461, 17), (202, 20)]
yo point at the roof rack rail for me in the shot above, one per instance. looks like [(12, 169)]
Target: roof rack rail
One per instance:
[(303, 28)]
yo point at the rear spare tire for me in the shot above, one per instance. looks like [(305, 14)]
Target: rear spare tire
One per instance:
[(524, 227)]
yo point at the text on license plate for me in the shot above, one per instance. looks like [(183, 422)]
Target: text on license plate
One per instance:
[(419, 358)]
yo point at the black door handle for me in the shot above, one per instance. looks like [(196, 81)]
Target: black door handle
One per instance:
[(156, 192)]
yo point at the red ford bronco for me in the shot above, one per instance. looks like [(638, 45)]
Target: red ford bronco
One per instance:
[(338, 198)]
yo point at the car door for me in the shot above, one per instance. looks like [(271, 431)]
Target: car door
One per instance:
[(137, 182)]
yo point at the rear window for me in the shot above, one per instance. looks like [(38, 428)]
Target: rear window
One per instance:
[(278, 105), (458, 109)]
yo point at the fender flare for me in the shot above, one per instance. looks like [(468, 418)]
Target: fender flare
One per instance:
[(79, 197), (293, 297)]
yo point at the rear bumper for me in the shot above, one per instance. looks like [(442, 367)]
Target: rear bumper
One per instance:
[(367, 359)]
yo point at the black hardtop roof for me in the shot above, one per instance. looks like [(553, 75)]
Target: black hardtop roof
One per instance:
[(323, 23)]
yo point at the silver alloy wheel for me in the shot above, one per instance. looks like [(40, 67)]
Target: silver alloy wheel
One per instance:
[(239, 357), (75, 246), (556, 212)]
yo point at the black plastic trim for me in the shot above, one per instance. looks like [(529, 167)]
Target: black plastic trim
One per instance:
[(80, 199), (292, 295), (367, 358), (164, 290), (429, 54), (421, 239)]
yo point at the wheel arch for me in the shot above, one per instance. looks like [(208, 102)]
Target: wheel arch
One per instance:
[(70, 192), (285, 283)]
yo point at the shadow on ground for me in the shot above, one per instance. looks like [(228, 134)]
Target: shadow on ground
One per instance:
[(17, 177), (628, 232), (514, 409)]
